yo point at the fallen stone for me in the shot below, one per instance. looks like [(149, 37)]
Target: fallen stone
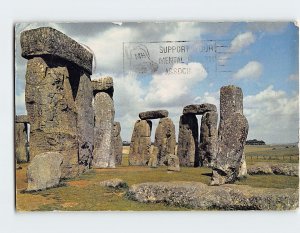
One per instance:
[(199, 109), (259, 169), (48, 41), (103, 84), (188, 149), (165, 140), (103, 131), (286, 169), (44, 171), (114, 183), (196, 195), (153, 114), (173, 163), (140, 146)]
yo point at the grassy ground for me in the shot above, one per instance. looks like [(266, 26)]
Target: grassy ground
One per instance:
[(85, 193)]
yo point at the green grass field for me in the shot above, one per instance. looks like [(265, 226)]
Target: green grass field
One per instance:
[(85, 193)]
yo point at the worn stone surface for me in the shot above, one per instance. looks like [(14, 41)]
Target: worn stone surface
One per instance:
[(287, 169), (139, 153), (114, 183), (153, 158), (85, 121), (153, 114), (165, 140), (231, 141), (103, 131), (50, 104), (243, 167), (199, 109), (48, 41), (196, 195), (21, 119), (231, 101), (44, 171), (208, 138), (104, 84), (187, 150), (117, 143), (21, 143), (173, 163)]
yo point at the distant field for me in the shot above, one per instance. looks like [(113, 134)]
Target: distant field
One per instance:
[(85, 193)]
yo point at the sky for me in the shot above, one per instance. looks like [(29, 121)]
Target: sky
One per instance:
[(168, 65)]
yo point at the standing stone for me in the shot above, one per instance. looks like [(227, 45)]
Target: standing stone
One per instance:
[(165, 140), (153, 158), (103, 155), (187, 150), (21, 139), (243, 167), (173, 163), (57, 97), (232, 138), (208, 138), (44, 171), (117, 143), (139, 153)]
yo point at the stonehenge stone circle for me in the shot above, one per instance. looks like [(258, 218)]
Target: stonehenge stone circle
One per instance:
[(58, 97), (139, 153), (21, 140), (208, 137), (153, 114), (44, 171), (199, 109), (233, 131), (103, 154), (187, 150), (165, 140), (117, 143)]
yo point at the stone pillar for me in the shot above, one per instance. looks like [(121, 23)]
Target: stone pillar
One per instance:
[(233, 131), (165, 140), (187, 150), (58, 99), (139, 153), (208, 138), (103, 154), (21, 139), (118, 144)]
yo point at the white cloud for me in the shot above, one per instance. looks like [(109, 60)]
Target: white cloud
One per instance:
[(273, 116), (294, 77), (170, 89), (183, 31), (251, 70), (241, 41)]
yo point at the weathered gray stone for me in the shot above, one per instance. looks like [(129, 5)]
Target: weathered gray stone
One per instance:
[(52, 111), (103, 155), (187, 150), (165, 140), (173, 163), (231, 101), (118, 144), (153, 158), (114, 183), (196, 195), (58, 97), (243, 167), (232, 138), (139, 153), (45, 41), (286, 169), (208, 138), (21, 142), (44, 171), (104, 84), (260, 169), (199, 109), (21, 119), (153, 114), (85, 121)]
